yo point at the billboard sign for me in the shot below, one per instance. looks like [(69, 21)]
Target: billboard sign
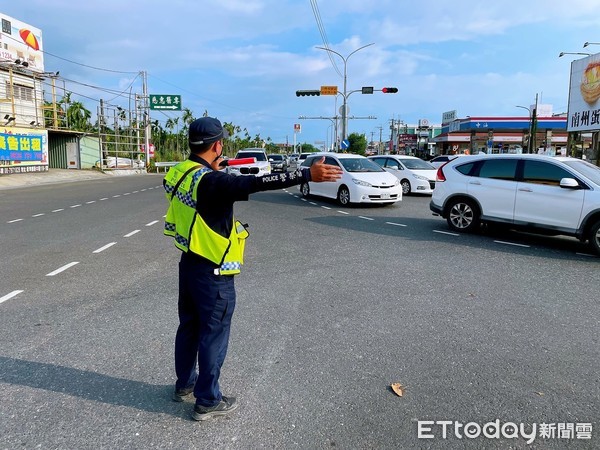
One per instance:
[(584, 94), (449, 116), (21, 42)]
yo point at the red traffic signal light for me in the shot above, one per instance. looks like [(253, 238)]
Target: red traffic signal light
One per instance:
[(307, 92), (389, 90)]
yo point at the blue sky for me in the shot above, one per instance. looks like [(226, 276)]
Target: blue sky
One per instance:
[(243, 60)]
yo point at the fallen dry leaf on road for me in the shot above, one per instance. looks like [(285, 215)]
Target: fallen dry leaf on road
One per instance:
[(398, 389)]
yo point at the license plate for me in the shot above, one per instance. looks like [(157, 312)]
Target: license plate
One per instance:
[(385, 196)]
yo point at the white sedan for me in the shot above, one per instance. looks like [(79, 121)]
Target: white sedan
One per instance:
[(362, 181), (416, 176)]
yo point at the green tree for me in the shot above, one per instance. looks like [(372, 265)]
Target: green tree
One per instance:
[(358, 143), (78, 117)]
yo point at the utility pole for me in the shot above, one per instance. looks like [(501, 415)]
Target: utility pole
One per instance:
[(147, 126)]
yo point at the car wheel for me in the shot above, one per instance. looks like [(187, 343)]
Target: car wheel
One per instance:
[(463, 215), (344, 196), (304, 189), (405, 187), (594, 237)]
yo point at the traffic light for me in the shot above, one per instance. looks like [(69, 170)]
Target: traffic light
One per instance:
[(389, 90), (307, 92)]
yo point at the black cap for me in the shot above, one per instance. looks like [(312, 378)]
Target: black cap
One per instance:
[(206, 130)]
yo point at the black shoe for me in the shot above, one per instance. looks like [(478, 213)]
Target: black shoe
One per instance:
[(224, 407), (179, 394)]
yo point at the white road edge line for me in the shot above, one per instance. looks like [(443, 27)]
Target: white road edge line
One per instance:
[(366, 218), (446, 232), (9, 296), (101, 249), (62, 269), (132, 233), (397, 224), (512, 243), (151, 223), (13, 221)]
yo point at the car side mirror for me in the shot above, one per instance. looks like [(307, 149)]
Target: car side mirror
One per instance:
[(569, 183), (270, 159)]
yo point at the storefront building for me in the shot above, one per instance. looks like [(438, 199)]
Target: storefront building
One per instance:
[(472, 135)]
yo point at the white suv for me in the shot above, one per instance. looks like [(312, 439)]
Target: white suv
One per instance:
[(553, 195), (260, 167)]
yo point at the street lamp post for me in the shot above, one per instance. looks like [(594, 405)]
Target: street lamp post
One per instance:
[(529, 128), (561, 54), (344, 106)]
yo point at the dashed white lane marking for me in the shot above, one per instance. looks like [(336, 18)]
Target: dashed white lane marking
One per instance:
[(325, 207), (101, 249), (143, 190), (313, 203), (38, 215), (9, 296), (343, 212), (303, 199), (90, 202), (127, 193), (151, 223), (135, 192), (75, 206), (15, 220), (366, 218), (59, 210), (104, 198), (62, 269), (132, 233), (115, 196), (512, 243), (396, 224), (446, 232)]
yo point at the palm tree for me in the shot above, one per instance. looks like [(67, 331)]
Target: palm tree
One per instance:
[(78, 117)]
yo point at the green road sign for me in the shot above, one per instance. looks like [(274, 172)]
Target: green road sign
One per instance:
[(165, 102)]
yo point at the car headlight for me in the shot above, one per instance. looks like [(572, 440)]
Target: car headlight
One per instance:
[(361, 183), (420, 177), (397, 182)]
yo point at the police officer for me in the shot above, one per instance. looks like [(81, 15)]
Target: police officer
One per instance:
[(201, 221)]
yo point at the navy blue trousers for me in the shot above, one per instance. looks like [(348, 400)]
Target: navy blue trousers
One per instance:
[(206, 303)]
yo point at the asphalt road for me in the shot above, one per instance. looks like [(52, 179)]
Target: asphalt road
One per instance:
[(334, 305)]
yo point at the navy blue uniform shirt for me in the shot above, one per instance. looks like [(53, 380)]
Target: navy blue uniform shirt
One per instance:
[(218, 191)]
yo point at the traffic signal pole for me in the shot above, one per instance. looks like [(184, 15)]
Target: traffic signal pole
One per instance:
[(345, 105)]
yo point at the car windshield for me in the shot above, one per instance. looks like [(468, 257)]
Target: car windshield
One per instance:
[(260, 156), (276, 157), (585, 168), (360, 165), (303, 155), (416, 164)]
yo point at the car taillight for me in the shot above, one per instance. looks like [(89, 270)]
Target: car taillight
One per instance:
[(439, 176)]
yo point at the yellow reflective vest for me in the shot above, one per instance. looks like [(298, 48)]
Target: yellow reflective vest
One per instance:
[(188, 228)]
